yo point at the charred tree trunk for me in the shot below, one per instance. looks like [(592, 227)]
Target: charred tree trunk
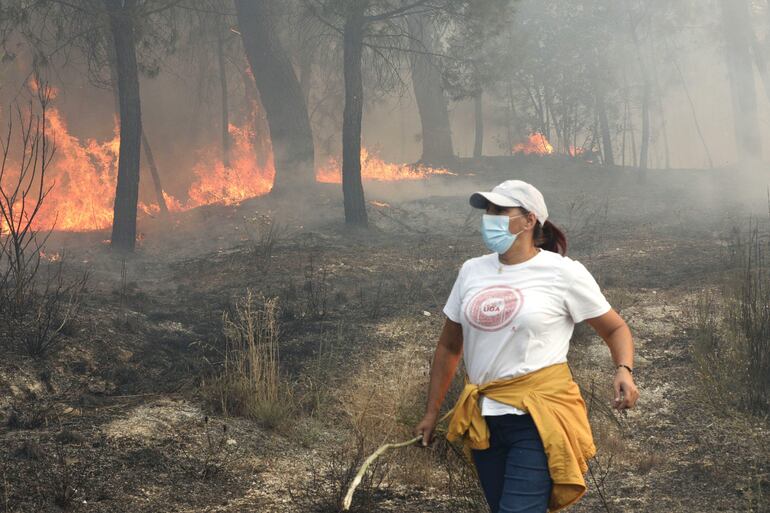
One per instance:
[(693, 110), (127, 191), (305, 68), (260, 139), (352, 187), (161, 200), (737, 28), (645, 142), (510, 117), (431, 100), (154, 173), (760, 61), (604, 127), (281, 97), (478, 110), (223, 89), (633, 140), (662, 113), (645, 145)]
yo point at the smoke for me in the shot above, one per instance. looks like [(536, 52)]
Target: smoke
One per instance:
[(691, 113)]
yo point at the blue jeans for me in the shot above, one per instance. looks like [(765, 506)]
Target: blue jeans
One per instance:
[(514, 470)]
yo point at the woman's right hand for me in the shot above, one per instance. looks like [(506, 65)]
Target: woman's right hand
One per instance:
[(425, 428), (449, 351)]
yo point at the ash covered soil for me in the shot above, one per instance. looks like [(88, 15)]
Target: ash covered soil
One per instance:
[(116, 418)]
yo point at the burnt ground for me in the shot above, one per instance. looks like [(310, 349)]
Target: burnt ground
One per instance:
[(116, 417)]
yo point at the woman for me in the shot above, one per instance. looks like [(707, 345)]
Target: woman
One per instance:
[(511, 313)]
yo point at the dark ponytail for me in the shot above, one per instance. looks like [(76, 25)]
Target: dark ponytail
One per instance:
[(550, 238)]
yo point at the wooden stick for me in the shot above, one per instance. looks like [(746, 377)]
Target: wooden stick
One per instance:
[(376, 454)]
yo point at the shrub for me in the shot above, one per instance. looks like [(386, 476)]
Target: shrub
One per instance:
[(329, 480), (250, 383), (35, 308), (263, 235), (731, 341), (217, 452)]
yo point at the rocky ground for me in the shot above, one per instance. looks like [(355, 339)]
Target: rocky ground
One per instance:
[(115, 418)]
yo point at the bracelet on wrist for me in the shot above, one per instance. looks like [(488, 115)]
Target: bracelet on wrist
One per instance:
[(624, 365)]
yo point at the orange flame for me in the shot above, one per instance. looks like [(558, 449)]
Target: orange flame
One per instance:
[(84, 173), (243, 179), (574, 151), (81, 178), (375, 169), (52, 257), (536, 144)]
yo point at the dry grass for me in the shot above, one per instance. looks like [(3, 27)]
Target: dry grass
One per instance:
[(731, 341), (263, 233), (381, 404), (325, 490), (386, 401), (610, 434), (250, 383)]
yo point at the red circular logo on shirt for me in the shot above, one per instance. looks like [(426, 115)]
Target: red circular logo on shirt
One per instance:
[(494, 307)]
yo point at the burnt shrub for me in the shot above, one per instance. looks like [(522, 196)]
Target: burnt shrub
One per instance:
[(731, 329)]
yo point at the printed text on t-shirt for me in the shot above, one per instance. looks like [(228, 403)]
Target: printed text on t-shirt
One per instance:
[(493, 308)]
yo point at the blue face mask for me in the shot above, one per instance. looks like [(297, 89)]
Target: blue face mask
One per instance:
[(494, 230)]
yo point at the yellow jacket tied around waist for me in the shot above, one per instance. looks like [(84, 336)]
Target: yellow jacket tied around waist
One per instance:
[(553, 399)]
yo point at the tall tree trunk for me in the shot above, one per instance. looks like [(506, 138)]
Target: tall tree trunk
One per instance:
[(662, 112), (548, 113), (223, 90), (645, 146), (645, 142), (154, 173), (305, 68), (604, 126), (736, 24), (431, 100), (161, 200), (633, 142), (761, 62), (281, 97), (664, 134), (127, 190), (352, 187), (260, 139), (693, 110), (626, 115), (510, 117), (478, 111), (625, 130)]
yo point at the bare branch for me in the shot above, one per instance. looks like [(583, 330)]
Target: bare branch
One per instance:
[(395, 12)]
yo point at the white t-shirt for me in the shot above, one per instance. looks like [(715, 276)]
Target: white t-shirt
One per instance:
[(521, 318)]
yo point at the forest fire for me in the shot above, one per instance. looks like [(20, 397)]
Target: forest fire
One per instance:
[(238, 238), (536, 144), (244, 178), (83, 174), (82, 177), (375, 169)]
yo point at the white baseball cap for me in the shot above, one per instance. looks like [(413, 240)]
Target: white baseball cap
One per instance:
[(513, 193)]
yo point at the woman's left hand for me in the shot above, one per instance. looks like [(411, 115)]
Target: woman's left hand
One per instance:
[(624, 383)]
